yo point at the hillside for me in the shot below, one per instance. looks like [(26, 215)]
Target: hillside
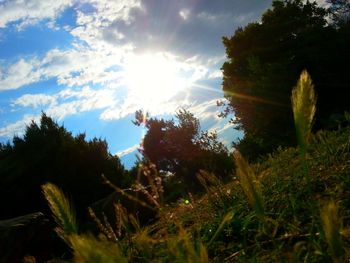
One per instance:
[(289, 209)]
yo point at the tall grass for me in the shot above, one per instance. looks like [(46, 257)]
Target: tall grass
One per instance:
[(61, 208), (86, 248), (331, 223), (250, 184), (304, 109)]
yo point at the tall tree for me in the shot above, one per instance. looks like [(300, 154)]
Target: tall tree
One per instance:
[(265, 59)]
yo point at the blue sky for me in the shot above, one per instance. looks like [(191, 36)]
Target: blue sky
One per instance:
[(90, 64)]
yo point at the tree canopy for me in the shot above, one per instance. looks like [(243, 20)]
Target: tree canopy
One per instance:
[(265, 58), (49, 153), (179, 149)]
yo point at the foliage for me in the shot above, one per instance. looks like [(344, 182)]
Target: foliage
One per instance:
[(202, 231), (268, 214), (264, 59), (179, 150), (48, 152), (250, 184)]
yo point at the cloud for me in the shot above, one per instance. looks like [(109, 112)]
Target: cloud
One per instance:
[(18, 127), (185, 13), (128, 150), (105, 34), (322, 3), (180, 27), (109, 30), (84, 100), (18, 74), (73, 67), (30, 11), (68, 101), (34, 101)]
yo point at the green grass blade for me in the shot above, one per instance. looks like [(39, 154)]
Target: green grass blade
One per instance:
[(227, 218)]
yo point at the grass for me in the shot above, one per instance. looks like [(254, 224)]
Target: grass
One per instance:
[(273, 211)]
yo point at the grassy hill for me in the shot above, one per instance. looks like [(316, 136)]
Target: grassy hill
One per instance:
[(293, 206), (277, 216)]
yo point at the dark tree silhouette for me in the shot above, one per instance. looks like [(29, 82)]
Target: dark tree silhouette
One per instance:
[(178, 147), (265, 58), (49, 153)]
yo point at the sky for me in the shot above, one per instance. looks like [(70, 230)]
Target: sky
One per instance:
[(90, 64)]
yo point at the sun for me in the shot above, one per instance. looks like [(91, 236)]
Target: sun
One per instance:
[(153, 79)]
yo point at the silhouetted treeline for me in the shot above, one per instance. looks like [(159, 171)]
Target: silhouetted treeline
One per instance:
[(49, 153), (264, 60)]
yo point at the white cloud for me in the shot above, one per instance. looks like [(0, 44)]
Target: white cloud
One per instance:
[(130, 106), (18, 74), (18, 127), (34, 100), (68, 101), (84, 100), (204, 111), (73, 67), (128, 150), (207, 16), (215, 74), (97, 29), (323, 3), (185, 13), (30, 11)]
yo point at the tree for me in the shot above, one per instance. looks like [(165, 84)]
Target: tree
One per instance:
[(49, 153), (264, 59), (179, 149)]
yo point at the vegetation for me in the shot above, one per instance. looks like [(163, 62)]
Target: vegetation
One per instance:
[(179, 149), (49, 153), (188, 199), (264, 59), (274, 211)]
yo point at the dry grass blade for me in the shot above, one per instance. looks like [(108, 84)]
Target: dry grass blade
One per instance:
[(105, 227), (61, 209)]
